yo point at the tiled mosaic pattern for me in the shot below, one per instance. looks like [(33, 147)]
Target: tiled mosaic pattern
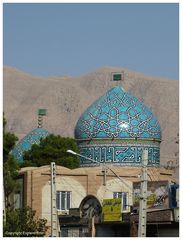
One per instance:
[(25, 144), (122, 119), (117, 114), (119, 155)]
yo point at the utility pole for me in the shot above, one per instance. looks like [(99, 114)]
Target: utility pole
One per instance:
[(143, 197), (54, 230)]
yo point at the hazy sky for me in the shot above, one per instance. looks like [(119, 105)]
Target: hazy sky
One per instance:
[(74, 39)]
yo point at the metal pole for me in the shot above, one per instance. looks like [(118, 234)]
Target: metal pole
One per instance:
[(143, 197), (54, 231), (104, 172), (90, 159)]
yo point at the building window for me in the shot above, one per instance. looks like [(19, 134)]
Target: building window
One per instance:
[(17, 197), (124, 199), (17, 200), (63, 200)]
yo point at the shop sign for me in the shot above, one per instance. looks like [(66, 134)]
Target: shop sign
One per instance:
[(111, 209)]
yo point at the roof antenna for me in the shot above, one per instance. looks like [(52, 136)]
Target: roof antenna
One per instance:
[(41, 112)]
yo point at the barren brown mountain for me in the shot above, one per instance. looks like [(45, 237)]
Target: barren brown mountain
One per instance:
[(65, 99)]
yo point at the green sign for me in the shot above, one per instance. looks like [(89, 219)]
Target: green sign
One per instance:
[(111, 209), (42, 112), (117, 77)]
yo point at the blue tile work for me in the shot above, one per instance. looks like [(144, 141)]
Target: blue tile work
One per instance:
[(117, 114), (119, 155), (120, 117), (25, 144)]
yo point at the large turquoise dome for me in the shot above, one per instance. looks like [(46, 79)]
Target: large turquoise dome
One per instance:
[(115, 129), (26, 143)]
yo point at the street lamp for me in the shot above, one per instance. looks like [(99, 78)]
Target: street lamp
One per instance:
[(90, 159), (104, 168), (70, 151)]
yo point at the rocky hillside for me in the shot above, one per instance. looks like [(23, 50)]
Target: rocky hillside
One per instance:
[(65, 98)]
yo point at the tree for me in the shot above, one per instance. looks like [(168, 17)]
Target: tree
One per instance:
[(52, 149), (10, 165), (9, 141), (10, 172), (19, 222), (24, 223)]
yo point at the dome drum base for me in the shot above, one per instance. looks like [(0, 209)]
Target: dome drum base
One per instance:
[(123, 155)]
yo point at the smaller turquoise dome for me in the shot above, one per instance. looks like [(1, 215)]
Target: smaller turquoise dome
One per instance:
[(26, 143)]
